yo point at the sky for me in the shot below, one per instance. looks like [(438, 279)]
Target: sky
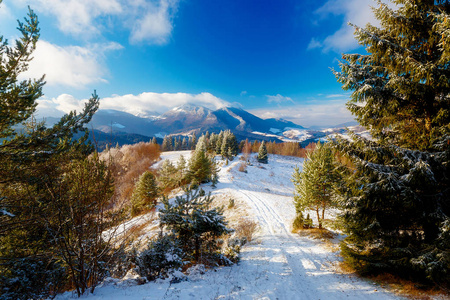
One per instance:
[(272, 58)]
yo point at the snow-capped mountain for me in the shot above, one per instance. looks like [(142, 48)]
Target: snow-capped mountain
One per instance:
[(187, 119)]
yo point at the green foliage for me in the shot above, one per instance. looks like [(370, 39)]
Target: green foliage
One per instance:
[(395, 209), (33, 163), (78, 218), (401, 86), (195, 224), (145, 193), (32, 278), (167, 174), (162, 256), (167, 144), (396, 192), (200, 167), (262, 153), (231, 203), (53, 198), (229, 145), (298, 223), (314, 186)]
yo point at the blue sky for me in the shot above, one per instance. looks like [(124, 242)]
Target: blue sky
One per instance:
[(272, 58)]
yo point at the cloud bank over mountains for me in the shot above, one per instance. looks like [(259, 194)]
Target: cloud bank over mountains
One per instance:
[(142, 105), (313, 113)]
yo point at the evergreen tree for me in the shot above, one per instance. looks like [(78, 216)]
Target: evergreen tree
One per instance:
[(167, 174), (225, 146), (198, 226), (234, 145), (184, 144), (176, 143), (262, 153), (193, 142), (201, 144), (396, 195), (200, 167), (181, 171), (167, 144), (219, 142), (212, 142), (154, 141), (214, 172), (145, 193), (314, 185), (33, 162)]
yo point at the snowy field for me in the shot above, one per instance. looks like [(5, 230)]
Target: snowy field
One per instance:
[(275, 265)]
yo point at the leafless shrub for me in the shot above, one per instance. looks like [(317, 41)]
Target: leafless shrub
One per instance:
[(242, 167), (127, 164), (246, 228)]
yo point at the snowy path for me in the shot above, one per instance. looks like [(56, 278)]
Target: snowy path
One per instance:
[(276, 265)]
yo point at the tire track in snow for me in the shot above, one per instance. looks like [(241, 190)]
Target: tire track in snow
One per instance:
[(300, 269)]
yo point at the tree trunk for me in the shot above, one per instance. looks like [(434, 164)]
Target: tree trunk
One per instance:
[(318, 218), (323, 214)]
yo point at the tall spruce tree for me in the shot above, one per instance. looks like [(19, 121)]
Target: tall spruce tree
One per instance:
[(315, 184), (145, 193), (32, 162), (262, 153), (397, 195), (200, 167), (167, 144)]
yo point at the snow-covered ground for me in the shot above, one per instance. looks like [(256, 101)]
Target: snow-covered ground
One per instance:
[(275, 265)]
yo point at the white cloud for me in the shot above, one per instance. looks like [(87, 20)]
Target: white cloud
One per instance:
[(313, 44), (149, 21), (140, 105), (357, 12), (77, 17), (278, 99), (72, 66), (320, 113), (155, 25), (243, 93)]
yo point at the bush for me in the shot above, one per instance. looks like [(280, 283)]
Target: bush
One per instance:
[(162, 257), (243, 167), (31, 278), (301, 223), (246, 228), (195, 224), (231, 203)]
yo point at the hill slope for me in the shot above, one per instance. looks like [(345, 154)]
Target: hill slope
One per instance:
[(276, 265)]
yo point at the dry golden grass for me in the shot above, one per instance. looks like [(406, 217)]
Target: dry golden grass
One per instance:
[(246, 229), (316, 233), (407, 288), (242, 167), (397, 285)]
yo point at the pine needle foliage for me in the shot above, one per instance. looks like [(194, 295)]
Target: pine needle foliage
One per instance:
[(195, 224), (397, 187), (145, 193), (262, 153), (315, 184), (401, 87), (42, 174)]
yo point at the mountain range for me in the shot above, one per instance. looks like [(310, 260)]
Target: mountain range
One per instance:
[(112, 126), (189, 119)]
